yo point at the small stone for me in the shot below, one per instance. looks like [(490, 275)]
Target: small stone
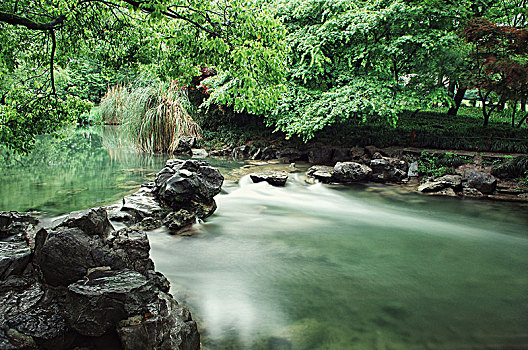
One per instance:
[(274, 178), (178, 220)]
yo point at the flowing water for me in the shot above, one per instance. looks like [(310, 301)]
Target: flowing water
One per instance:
[(317, 266), (320, 267)]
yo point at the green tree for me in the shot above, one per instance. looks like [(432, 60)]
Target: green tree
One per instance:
[(172, 38)]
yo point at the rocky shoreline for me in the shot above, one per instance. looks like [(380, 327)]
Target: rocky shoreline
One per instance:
[(78, 282), (473, 178)]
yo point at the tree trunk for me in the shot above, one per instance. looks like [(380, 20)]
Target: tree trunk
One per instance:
[(459, 96)]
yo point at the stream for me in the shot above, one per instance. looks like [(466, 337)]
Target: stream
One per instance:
[(311, 266)]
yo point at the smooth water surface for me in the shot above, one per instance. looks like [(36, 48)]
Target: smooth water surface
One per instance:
[(88, 167), (321, 267)]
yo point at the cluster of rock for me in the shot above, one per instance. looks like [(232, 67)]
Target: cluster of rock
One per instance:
[(378, 169), (182, 193), (470, 183), (315, 154), (65, 285)]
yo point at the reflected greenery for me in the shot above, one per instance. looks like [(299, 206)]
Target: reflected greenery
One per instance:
[(85, 168)]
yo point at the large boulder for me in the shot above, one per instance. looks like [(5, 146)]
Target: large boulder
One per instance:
[(387, 169), (65, 255), (351, 172), (189, 184), (30, 317), (106, 285), (274, 178), (485, 183), (99, 302), (168, 326)]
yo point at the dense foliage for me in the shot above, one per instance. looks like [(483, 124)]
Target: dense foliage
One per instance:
[(300, 65), (171, 39)]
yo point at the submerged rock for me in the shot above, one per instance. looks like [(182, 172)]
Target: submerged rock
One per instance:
[(274, 178)]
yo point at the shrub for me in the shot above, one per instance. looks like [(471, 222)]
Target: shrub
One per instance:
[(155, 117)]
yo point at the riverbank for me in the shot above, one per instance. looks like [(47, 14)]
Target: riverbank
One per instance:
[(464, 174)]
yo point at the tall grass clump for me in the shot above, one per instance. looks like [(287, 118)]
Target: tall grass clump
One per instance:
[(112, 104), (155, 118)]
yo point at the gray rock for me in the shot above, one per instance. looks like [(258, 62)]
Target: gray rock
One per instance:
[(98, 303), (471, 192), (453, 182), (168, 327), (148, 223), (341, 155), (388, 169), (185, 145), (322, 173), (431, 186), (241, 152), (289, 155), (92, 221), (64, 255), (274, 178), (268, 153), (142, 204), (30, 317), (356, 153), (132, 247), (199, 153), (351, 172), (13, 223), (116, 214), (178, 220), (14, 258), (483, 182)]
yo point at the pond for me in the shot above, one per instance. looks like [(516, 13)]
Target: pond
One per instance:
[(318, 266)]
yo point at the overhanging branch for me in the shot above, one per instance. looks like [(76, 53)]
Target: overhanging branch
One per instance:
[(22, 21)]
